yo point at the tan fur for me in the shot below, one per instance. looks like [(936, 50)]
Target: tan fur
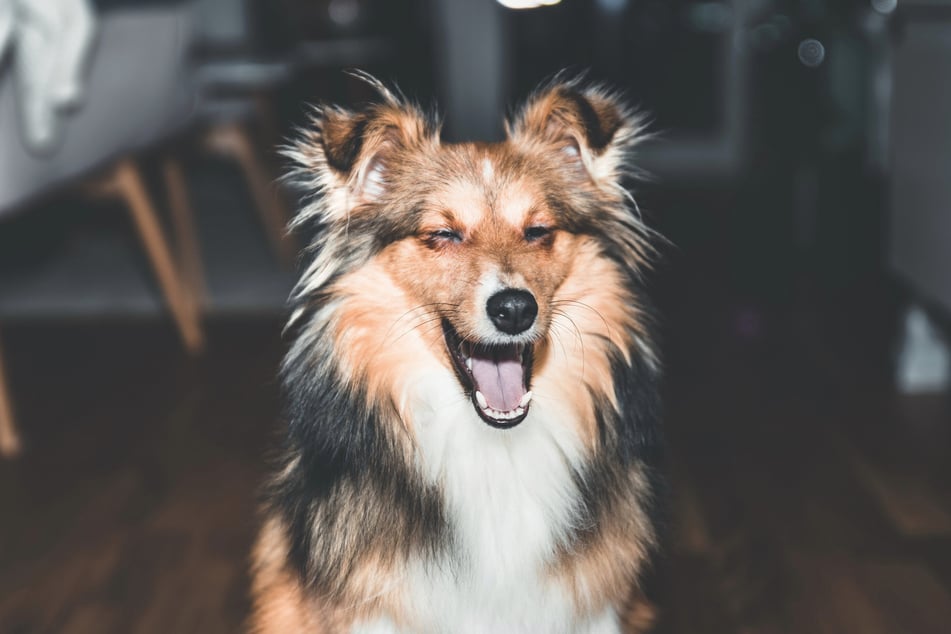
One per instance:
[(640, 615), (492, 228), (591, 312), (604, 570), (380, 326), (280, 605), (388, 308), (390, 311)]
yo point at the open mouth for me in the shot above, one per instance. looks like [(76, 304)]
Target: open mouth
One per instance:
[(497, 377)]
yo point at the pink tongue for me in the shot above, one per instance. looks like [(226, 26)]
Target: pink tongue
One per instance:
[(500, 378)]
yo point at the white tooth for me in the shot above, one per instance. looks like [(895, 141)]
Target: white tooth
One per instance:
[(525, 399), (469, 363), (480, 399)]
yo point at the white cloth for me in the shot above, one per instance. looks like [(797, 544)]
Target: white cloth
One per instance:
[(924, 361), (50, 41)]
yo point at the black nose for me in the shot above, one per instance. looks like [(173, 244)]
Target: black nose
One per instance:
[(512, 311)]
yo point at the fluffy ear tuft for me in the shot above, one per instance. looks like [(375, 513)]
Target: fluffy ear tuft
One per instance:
[(593, 127), (341, 137), (350, 152)]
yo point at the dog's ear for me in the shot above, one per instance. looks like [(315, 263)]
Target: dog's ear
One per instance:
[(592, 127), (352, 152)]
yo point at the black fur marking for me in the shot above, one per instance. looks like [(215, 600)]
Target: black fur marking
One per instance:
[(620, 253), (637, 429), (613, 234), (599, 128), (386, 227), (342, 138), (630, 437), (346, 470)]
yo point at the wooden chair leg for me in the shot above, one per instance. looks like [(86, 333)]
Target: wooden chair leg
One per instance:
[(186, 235), (267, 120), (129, 186), (234, 140), (9, 437)]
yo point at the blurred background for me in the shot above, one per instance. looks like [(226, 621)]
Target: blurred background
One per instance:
[(802, 175)]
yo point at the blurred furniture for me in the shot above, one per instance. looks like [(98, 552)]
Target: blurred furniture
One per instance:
[(9, 438), (234, 83), (689, 63), (473, 86), (920, 222), (919, 236), (124, 182), (136, 96), (226, 132)]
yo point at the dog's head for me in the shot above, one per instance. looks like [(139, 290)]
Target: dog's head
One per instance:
[(480, 239)]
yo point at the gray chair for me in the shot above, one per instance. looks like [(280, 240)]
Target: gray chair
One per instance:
[(137, 95)]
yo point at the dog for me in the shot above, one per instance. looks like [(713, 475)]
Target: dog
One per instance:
[(471, 389)]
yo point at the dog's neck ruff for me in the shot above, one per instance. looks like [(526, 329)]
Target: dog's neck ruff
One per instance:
[(512, 501)]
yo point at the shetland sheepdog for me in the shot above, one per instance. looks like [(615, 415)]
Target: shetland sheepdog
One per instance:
[(471, 389)]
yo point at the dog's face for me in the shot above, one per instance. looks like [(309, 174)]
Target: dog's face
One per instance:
[(480, 237), (487, 253)]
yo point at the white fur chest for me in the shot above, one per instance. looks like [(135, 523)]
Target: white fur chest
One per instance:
[(511, 498)]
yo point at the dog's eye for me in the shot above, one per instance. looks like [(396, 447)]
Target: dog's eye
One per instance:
[(537, 232), (446, 235)]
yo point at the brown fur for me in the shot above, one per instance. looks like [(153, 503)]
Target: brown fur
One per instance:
[(390, 192), (280, 604), (602, 568)]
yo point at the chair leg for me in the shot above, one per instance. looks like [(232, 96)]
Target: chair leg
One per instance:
[(9, 437), (129, 186), (186, 235), (234, 140)]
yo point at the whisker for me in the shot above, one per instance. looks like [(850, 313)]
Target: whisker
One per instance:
[(436, 318), (426, 307), (576, 302), (428, 315), (557, 337), (577, 333), (431, 329)]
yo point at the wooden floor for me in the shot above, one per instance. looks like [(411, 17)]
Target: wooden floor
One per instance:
[(806, 497)]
